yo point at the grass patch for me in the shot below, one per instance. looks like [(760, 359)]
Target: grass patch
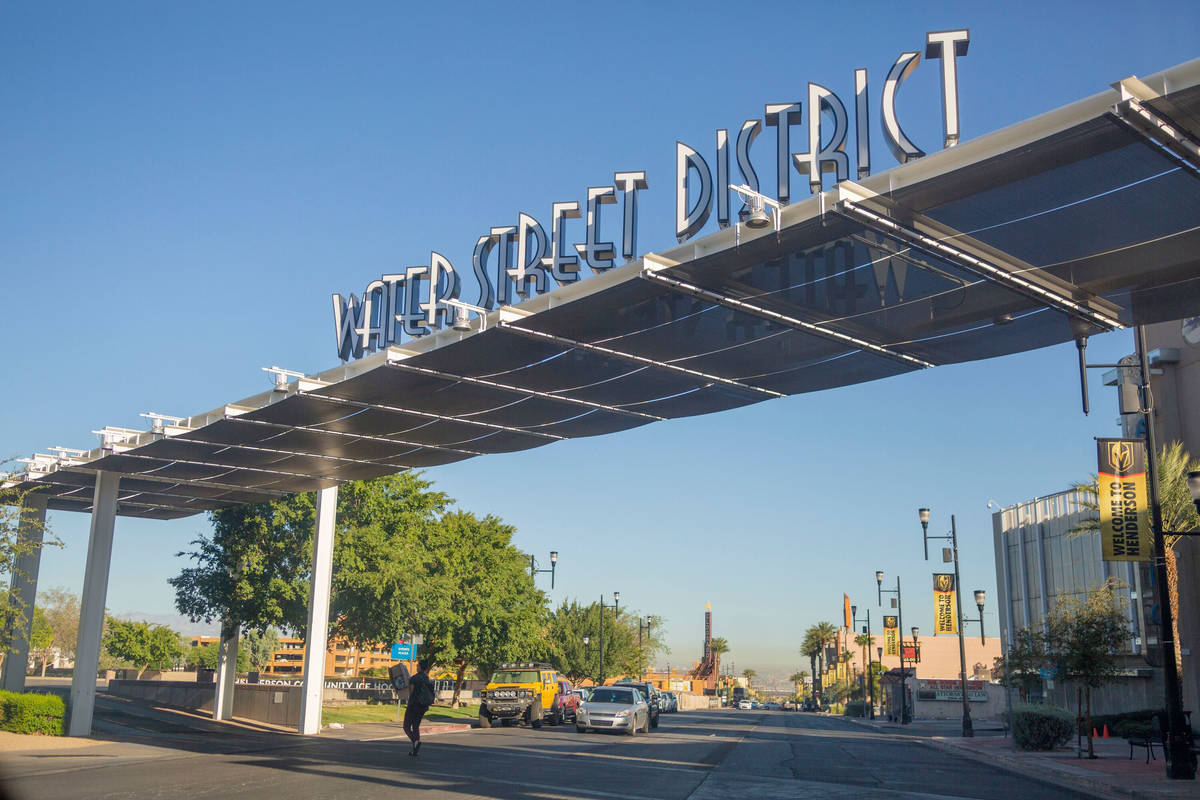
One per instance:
[(387, 713)]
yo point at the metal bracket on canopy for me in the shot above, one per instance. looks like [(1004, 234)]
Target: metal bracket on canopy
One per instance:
[(1020, 279), (701, 293), (1172, 140), (636, 359)]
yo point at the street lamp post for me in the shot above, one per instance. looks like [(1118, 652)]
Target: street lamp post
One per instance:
[(533, 570), (646, 627), (968, 729), (869, 688), (904, 718), (980, 597), (615, 606)]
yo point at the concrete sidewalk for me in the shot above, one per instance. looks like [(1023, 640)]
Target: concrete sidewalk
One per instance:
[(1112, 774)]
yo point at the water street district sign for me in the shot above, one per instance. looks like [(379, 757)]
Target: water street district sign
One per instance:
[(404, 652)]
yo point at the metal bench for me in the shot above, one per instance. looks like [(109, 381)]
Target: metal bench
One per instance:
[(1146, 742)]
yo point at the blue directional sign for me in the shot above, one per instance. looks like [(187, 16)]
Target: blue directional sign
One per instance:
[(404, 652)]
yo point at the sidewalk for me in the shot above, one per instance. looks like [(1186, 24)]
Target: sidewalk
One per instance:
[(1113, 774)]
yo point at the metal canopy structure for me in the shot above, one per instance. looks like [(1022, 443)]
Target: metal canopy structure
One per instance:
[(1079, 221), (1082, 220)]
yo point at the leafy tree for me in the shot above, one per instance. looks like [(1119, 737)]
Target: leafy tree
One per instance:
[(142, 644), (797, 679), (749, 675), (14, 617), (207, 655), (41, 638), (567, 652), (823, 634), (1086, 637), (812, 647), (259, 646), (1021, 667), (62, 615)]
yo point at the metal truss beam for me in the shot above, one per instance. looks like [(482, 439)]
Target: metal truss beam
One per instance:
[(1169, 137), (1023, 279), (345, 434), (522, 390), (701, 293), (636, 359)]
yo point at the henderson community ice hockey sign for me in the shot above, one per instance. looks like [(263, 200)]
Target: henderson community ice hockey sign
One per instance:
[(413, 303)]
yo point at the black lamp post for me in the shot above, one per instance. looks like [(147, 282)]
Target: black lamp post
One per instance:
[(904, 718), (615, 606), (533, 570), (968, 729), (980, 597), (646, 627), (869, 688)]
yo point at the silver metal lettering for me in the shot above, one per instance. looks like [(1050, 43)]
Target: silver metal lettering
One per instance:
[(782, 116), (898, 143), (689, 222), (948, 46), (628, 184)]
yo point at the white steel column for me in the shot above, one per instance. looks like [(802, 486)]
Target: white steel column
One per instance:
[(91, 612), (316, 642), (23, 591), (226, 671)]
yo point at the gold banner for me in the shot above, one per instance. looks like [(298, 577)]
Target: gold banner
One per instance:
[(847, 619), (891, 637), (1124, 511), (944, 618)]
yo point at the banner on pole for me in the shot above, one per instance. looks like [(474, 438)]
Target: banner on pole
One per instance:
[(891, 636), (1124, 508), (848, 618), (944, 618)]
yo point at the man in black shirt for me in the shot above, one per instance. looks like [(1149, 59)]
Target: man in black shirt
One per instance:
[(420, 697)]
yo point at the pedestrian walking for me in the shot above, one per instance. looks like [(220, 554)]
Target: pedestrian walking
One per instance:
[(420, 697)]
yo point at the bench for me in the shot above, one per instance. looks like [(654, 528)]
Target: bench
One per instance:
[(1146, 742)]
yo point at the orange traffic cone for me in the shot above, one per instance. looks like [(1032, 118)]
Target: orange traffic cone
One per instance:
[(1105, 731), (1094, 734)]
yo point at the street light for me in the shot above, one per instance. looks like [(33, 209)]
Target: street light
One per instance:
[(649, 622), (615, 606), (968, 729), (533, 570), (869, 688), (980, 597), (904, 718)]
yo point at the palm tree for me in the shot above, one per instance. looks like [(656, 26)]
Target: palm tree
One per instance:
[(824, 634), (1178, 514), (718, 647), (797, 678), (749, 675), (811, 647)]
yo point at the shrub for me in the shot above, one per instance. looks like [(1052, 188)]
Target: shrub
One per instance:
[(32, 713), (1121, 724), (1041, 727), (855, 708)]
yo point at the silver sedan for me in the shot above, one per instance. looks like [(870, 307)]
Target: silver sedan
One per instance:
[(614, 708)]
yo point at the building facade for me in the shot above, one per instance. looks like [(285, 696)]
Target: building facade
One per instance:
[(342, 660)]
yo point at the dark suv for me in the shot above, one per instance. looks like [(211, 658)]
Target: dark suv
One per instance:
[(653, 698)]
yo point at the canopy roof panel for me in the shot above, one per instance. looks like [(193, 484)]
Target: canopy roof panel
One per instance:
[(1080, 220)]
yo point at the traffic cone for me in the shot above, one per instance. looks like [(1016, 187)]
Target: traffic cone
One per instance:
[(1106, 731), (1094, 734)]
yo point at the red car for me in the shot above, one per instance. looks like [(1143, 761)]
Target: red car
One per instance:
[(566, 701)]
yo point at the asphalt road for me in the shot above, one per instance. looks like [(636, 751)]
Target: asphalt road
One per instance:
[(692, 756)]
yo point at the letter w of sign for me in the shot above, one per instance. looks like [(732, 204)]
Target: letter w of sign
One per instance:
[(349, 317), (1120, 455)]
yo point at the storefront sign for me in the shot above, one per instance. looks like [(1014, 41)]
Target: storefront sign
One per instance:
[(951, 691), (911, 652), (944, 618), (1124, 513), (891, 637), (514, 262)]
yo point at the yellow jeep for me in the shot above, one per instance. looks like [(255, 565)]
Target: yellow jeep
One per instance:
[(521, 692)]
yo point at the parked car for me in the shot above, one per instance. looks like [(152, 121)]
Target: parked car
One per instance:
[(745, 705), (614, 708), (672, 702), (653, 698), (566, 702)]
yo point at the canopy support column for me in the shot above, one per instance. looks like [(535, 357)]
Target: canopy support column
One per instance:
[(226, 671), (315, 643), (23, 592), (91, 612)]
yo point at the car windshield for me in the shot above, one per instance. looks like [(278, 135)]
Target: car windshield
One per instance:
[(623, 697), (515, 676)]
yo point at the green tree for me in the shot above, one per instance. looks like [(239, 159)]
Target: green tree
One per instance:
[(824, 634), (566, 629), (260, 647), (749, 675), (1086, 638), (62, 614), (207, 655), (41, 638), (1021, 667), (811, 646), (719, 646), (797, 679), (142, 644)]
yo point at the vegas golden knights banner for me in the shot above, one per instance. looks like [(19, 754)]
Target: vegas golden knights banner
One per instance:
[(944, 620), (1124, 510), (891, 637), (847, 618)]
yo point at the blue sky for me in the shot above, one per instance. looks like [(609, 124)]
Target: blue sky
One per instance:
[(187, 185)]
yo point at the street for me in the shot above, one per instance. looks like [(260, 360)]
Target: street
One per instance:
[(146, 753)]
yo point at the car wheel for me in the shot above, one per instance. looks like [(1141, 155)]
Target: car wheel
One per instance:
[(633, 727), (556, 717), (485, 721), (535, 719), (580, 729)]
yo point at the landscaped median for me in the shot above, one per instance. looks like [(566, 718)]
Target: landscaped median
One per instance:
[(32, 713)]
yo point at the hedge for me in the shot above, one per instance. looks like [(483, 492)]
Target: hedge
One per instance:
[(1126, 725), (855, 708), (1041, 727), (32, 713)]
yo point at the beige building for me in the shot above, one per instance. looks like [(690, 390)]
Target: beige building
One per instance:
[(341, 660)]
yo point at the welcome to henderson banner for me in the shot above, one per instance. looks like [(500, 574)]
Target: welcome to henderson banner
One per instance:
[(891, 637), (1124, 512), (944, 620)]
